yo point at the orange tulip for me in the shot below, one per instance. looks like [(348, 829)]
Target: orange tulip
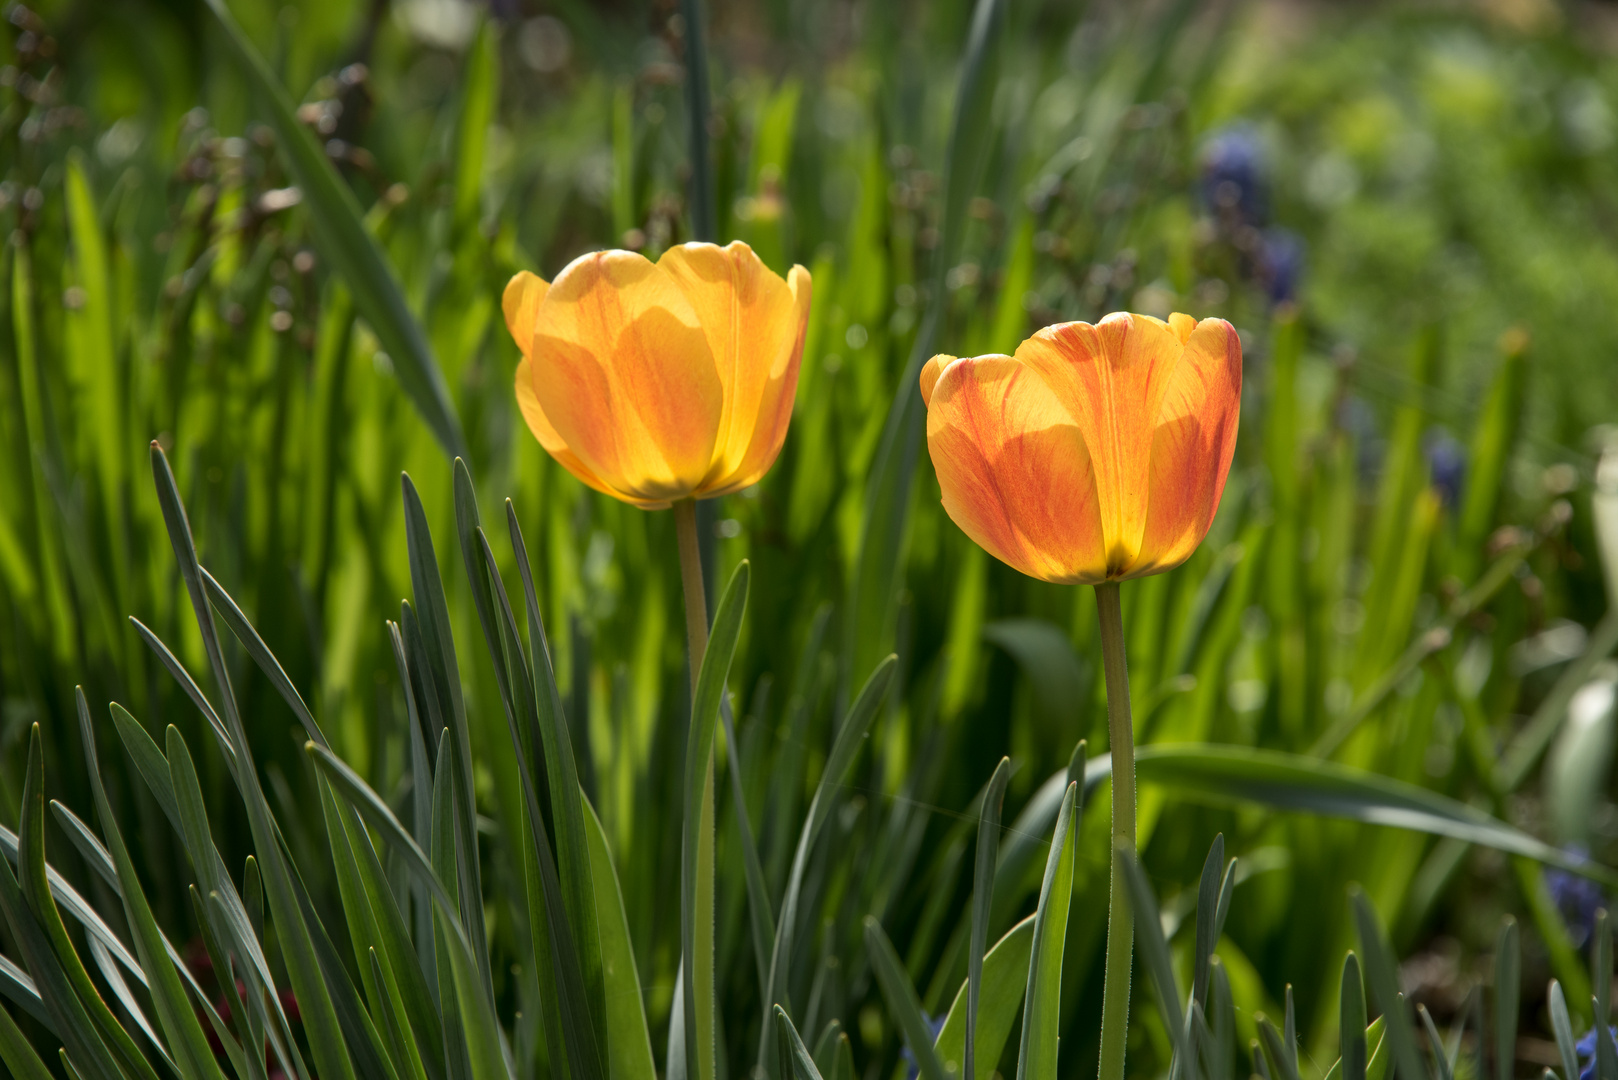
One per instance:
[(655, 382), (1096, 453)]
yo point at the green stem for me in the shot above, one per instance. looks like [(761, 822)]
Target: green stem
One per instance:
[(697, 959), (696, 600), (1120, 922)]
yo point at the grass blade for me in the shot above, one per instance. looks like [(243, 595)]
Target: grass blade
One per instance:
[(326, 1041), (254, 1067), (445, 683), (1042, 1013), (1156, 952), (796, 1064), (1208, 898), (761, 920), (903, 1004), (33, 878), (476, 1007), (988, 848), (186, 1041), (1005, 977), (376, 814), (1290, 1032), (1562, 1026), (875, 583), (1227, 888), (1230, 774), (340, 234), (1606, 1053), (421, 782), (192, 691), (1507, 998), (1222, 1045), (550, 913), (365, 927), (696, 844), (1383, 979), (261, 654), (371, 1060), (390, 1008), (1435, 1045), (1351, 1021), (16, 1052), (1283, 1063), (70, 899), (844, 747), (69, 1016), (629, 1041), (1601, 958), (184, 793), (397, 957), (578, 944)]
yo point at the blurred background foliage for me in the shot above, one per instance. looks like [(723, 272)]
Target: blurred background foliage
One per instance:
[(1406, 209)]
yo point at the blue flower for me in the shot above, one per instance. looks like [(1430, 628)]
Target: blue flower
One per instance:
[(1586, 1049), (1280, 264), (1233, 170), (1446, 464), (1577, 898)]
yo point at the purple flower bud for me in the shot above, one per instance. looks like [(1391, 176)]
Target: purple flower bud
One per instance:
[(1446, 464), (1233, 183), (1280, 264)]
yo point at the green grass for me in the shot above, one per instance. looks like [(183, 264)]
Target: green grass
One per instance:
[(1449, 179)]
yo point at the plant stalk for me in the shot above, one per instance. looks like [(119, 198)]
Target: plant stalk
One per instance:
[(696, 599), (697, 969), (1121, 744)]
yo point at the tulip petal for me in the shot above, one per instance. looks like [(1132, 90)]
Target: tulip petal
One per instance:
[(520, 302), (1111, 378), (930, 372), (553, 445), (1192, 446), (623, 372), (774, 416), (755, 323), (1014, 470)]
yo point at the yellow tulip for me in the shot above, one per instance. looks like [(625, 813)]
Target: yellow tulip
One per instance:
[(1096, 453), (655, 382)]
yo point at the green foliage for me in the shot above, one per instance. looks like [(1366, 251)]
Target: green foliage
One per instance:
[(277, 249)]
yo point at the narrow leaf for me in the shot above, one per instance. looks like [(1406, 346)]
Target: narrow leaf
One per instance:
[(1507, 997), (844, 747), (1383, 979), (1207, 940), (903, 1004), (340, 234), (1351, 1021), (988, 848), (1042, 1015), (796, 1064), (1562, 1025), (696, 846), (1005, 977)]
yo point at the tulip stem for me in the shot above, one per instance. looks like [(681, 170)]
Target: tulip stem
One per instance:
[(697, 968), (696, 599), (1121, 744)]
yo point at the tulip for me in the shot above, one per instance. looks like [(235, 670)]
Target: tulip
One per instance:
[(1096, 453), (658, 382)]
